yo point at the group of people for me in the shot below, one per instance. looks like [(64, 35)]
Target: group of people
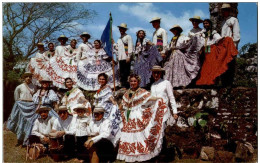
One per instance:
[(135, 126)]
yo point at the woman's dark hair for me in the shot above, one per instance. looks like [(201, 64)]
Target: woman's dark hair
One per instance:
[(100, 43), (50, 44), (134, 76), (139, 39), (66, 80), (104, 75), (74, 40), (210, 28)]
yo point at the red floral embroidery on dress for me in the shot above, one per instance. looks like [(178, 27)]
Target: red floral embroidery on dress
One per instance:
[(127, 148), (54, 76), (65, 67), (152, 140)]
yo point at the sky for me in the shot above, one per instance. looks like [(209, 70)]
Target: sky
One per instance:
[(138, 15)]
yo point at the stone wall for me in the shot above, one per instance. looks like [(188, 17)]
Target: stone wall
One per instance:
[(219, 118), (216, 15)]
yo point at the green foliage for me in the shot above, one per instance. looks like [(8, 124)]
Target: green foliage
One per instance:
[(200, 120), (243, 77)]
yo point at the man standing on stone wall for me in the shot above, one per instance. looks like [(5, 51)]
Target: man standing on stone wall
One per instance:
[(230, 28), (159, 36)]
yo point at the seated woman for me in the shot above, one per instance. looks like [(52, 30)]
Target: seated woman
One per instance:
[(92, 63), (74, 96), (42, 127), (64, 64), (218, 53), (183, 64), (104, 98), (143, 124), (47, 97), (146, 57), (100, 149), (22, 116)]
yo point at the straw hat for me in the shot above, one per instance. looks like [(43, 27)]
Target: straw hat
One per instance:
[(176, 27), (45, 79), (42, 108), (79, 106), (85, 34), (225, 6), (155, 19), (26, 74), (196, 18), (63, 37), (123, 25), (98, 109), (40, 44), (62, 107), (157, 68)]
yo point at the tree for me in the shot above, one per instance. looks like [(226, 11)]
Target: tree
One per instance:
[(26, 24)]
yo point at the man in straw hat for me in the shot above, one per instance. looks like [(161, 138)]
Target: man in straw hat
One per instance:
[(40, 47), (80, 124), (162, 88), (230, 25), (230, 28), (62, 127), (60, 50), (196, 30), (159, 36), (85, 46), (125, 50), (100, 148), (18, 123), (42, 126)]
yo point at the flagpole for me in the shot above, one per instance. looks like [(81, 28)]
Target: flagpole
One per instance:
[(113, 62)]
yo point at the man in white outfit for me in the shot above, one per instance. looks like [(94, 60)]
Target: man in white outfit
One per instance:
[(159, 36), (125, 51), (230, 28)]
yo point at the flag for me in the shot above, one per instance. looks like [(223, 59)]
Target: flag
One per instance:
[(106, 37)]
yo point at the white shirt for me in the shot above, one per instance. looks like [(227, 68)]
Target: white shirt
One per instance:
[(182, 42), (215, 39), (99, 129), (63, 125), (161, 33), (79, 125), (43, 127), (163, 88), (126, 39), (195, 31), (60, 50), (24, 92), (39, 55), (83, 48), (230, 27)]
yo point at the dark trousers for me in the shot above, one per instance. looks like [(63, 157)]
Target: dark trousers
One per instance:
[(69, 145), (227, 78), (81, 149), (105, 150), (124, 73)]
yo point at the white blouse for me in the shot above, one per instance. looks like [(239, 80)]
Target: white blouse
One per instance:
[(60, 50), (230, 27), (215, 39), (64, 125), (182, 43), (99, 129), (195, 31), (161, 33), (39, 55), (163, 88), (24, 92), (43, 127), (127, 39), (46, 99), (79, 125), (83, 49)]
